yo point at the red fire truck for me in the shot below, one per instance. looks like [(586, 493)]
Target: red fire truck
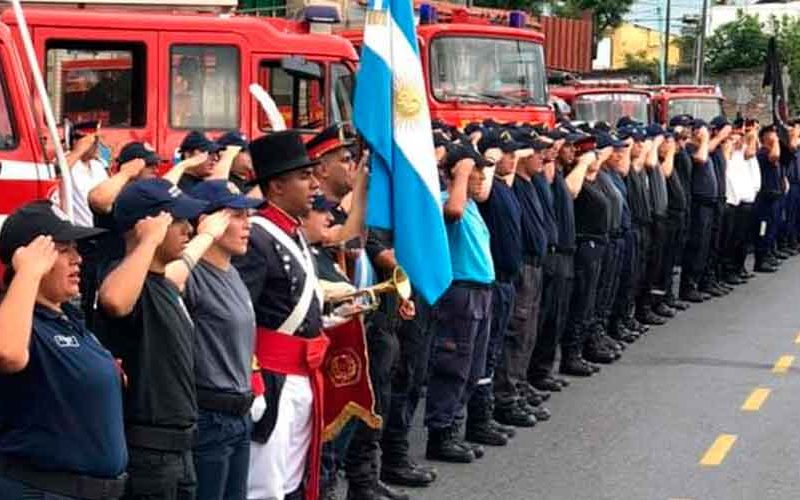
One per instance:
[(603, 100), (152, 75), (700, 101), (480, 65)]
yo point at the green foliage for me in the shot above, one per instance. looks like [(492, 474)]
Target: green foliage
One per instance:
[(788, 35), (639, 63), (736, 44)]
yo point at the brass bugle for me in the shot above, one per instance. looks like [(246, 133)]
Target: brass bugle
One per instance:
[(398, 284)]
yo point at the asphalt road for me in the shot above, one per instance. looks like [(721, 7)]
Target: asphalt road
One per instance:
[(640, 428)]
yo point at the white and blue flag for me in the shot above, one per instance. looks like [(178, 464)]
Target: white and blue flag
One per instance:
[(391, 112)]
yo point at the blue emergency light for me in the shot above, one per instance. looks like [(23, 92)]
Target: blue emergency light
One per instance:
[(427, 14), (325, 14), (516, 19)]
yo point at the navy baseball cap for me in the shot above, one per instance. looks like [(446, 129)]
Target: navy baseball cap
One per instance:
[(681, 121), (654, 130), (577, 138), (135, 150), (196, 140), (627, 121), (39, 218), (635, 133), (322, 204), (699, 123), (462, 151), (556, 134), (719, 122), (605, 140), (150, 197), (233, 138), (221, 193)]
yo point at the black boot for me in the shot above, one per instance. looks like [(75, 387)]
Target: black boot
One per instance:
[(663, 310), (444, 446), (389, 493), (484, 433), (507, 430), (573, 364), (406, 473), (511, 414), (647, 317)]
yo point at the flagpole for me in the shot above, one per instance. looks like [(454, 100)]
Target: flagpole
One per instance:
[(701, 43)]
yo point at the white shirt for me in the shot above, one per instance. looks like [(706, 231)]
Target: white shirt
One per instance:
[(742, 182), (85, 177)]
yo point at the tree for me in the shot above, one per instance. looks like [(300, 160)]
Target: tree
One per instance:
[(639, 63), (737, 44), (607, 14)]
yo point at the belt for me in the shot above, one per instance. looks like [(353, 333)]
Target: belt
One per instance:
[(290, 355), (161, 438), (224, 402), (474, 285), (63, 483)]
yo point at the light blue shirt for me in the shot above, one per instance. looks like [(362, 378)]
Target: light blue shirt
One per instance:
[(470, 253)]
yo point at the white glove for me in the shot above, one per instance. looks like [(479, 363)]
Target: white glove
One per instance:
[(258, 408)]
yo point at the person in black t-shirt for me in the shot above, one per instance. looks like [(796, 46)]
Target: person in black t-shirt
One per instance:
[(148, 327), (196, 144)]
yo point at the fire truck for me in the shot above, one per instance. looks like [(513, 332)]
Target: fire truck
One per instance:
[(151, 75), (479, 63), (700, 101), (603, 100)]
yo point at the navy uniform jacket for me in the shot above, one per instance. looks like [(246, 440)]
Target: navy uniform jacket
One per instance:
[(275, 281)]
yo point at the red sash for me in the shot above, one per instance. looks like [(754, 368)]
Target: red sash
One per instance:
[(290, 355)]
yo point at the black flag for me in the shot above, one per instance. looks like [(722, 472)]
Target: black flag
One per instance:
[(773, 76)]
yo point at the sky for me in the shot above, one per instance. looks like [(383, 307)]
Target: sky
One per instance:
[(646, 12)]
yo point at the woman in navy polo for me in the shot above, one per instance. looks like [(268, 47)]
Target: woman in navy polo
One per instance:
[(61, 431)]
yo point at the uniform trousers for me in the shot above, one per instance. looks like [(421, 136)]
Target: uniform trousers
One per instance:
[(695, 256), (588, 263), (479, 408), (610, 273), (670, 250), (628, 272), (160, 475), (766, 218), (463, 318), (222, 456), (792, 214), (711, 271), (362, 460), (558, 275), (520, 336), (408, 382)]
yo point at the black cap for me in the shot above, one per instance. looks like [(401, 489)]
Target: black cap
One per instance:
[(136, 150), (509, 142), (557, 134), (440, 140), (719, 122), (654, 130), (437, 124), (605, 140), (683, 120), (461, 151), (627, 121), (221, 193), (39, 218), (233, 138), (699, 123), (636, 133), (149, 198), (473, 127), (197, 141), (577, 138)]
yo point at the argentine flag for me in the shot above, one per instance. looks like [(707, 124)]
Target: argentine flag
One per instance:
[(391, 112)]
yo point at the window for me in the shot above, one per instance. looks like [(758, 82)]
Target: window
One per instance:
[(341, 93), (8, 138), (97, 81), (204, 87), (300, 99), (704, 108), (488, 71), (611, 106)]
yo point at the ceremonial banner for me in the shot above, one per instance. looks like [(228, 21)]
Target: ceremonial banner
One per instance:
[(347, 386)]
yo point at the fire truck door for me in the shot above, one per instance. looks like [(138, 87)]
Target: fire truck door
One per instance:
[(24, 174)]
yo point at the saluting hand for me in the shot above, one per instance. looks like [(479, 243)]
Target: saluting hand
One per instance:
[(195, 160), (215, 224), (153, 229), (36, 258), (133, 167)]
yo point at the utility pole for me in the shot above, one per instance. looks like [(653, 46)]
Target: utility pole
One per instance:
[(701, 42), (665, 57)]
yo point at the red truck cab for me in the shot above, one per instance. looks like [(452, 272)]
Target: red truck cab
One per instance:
[(700, 101), (479, 63), (603, 100)]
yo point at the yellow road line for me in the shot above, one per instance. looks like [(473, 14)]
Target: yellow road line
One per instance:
[(717, 452), (756, 399), (797, 339), (783, 364)]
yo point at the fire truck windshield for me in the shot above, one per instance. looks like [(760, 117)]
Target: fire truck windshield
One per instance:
[(610, 107), (705, 109), (487, 70)]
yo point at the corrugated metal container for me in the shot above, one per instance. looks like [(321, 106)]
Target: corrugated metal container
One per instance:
[(567, 43)]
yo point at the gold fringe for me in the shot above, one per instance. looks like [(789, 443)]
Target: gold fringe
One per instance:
[(349, 411)]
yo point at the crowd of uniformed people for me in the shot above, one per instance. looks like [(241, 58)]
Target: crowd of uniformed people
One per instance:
[(167, 344)]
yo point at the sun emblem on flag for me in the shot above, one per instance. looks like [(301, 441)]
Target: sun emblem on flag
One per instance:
[(408, 101)]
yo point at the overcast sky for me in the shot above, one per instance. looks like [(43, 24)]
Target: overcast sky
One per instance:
[(646, 12)]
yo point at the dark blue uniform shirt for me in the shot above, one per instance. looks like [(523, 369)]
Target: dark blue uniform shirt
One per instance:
[(503, 216), (565, 213), (790, 162), (720, 166), (534, 234), (63, 412), (770, 173), (705, 187), (546, 197), (619, 183)]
